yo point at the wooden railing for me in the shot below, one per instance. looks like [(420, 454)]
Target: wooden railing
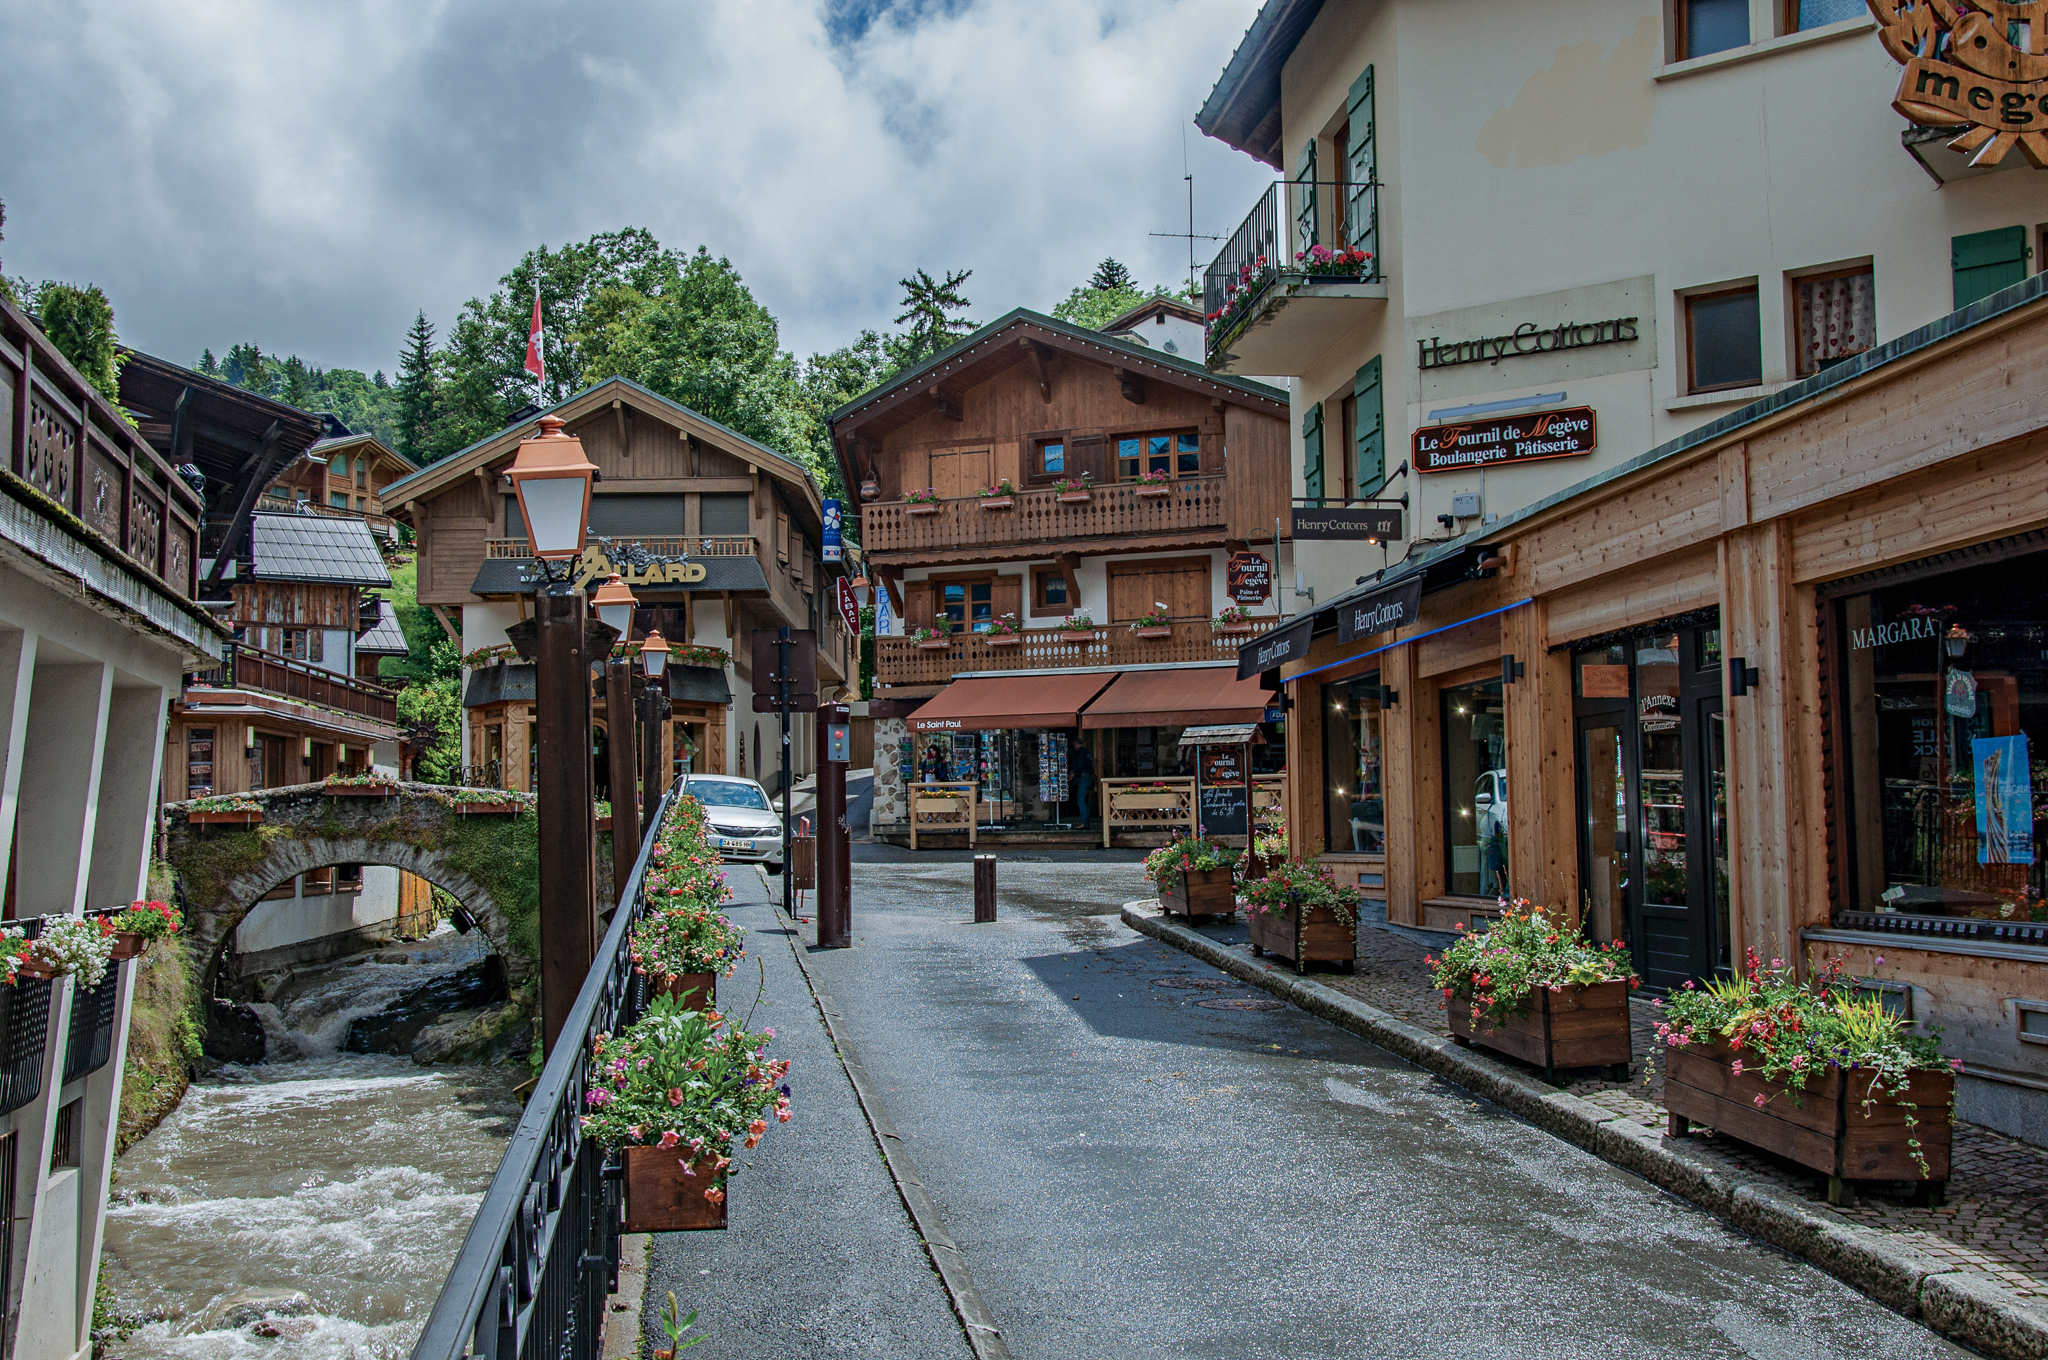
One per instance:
[(899, 661), (1111, 510), (661, 545), (272, 504), (246, 668), (942, 807), (1147, 805)]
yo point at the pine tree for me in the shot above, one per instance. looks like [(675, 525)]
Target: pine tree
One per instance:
[(927, 303), (209, 365), (1109, 276), (418, 390)]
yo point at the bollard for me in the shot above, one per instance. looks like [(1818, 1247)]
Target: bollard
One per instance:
[(984, 888)]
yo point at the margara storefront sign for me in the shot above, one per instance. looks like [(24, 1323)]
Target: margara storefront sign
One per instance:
[(1984, 66), (1511, 439)]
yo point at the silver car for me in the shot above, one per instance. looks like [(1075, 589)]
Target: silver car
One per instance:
[(745, 827)]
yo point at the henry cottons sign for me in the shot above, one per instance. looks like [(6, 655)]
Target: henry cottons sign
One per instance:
[(1510, 439), (1964, 66)]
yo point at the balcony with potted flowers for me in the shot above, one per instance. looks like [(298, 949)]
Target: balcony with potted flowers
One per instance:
[(934, 655), (1300, 275)]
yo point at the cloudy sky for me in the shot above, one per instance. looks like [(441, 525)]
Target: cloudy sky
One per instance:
[(307, 173)]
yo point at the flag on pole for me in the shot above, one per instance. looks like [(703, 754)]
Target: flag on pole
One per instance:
[(535, 364)]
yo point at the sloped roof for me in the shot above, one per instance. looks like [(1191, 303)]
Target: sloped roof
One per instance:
[(318, 549), (1186, 311), (325, 449), (1243, 110), (385, 637)]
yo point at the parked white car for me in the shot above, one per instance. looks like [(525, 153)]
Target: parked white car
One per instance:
[(745, 827)]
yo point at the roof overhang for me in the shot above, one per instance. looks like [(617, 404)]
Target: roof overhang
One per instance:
[(1243, 110)]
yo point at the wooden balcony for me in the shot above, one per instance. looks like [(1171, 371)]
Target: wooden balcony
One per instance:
[(661, 545), (899, 661), (1114, 510), (246, 668)]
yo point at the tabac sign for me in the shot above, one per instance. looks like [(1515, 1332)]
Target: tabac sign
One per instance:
[(596, 564), (1984, 64)]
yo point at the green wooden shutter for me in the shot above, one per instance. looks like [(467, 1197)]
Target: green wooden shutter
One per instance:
[(1312, 451), (1987, 261), (1361, 173), (1369, 438), (1304, 201)]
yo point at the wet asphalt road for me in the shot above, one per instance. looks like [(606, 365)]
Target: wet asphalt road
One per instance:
[(1135, 1167)]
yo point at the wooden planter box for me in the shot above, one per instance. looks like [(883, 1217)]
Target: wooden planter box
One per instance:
[(1204, 892), (1077, 635), (1233, 629), (224, 818), (1004, 639), (502, 810), (1157, 631), (698, 991), (997, 502), (920, 508), (1825, 1127), (935, 644), (128, 944), (1321, 939), (1153, 493), (1074, 497), (604, 823), (660, 1198), (1144, 802), (1574, 1026), (360, 790)]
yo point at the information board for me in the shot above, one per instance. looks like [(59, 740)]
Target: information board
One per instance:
[(1222, 791)]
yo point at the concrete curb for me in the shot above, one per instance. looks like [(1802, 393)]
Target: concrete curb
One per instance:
[(976, 1321), (1967, 1307), (622, 1338)]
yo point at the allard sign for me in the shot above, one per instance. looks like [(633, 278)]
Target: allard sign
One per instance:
[(1510, 439), (1963, 65), (595, 566)]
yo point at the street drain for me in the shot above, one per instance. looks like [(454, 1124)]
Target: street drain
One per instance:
[(1243, 1003), (1195, 984)]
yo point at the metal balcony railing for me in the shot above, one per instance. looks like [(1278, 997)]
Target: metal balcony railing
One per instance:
[(1292, 218)]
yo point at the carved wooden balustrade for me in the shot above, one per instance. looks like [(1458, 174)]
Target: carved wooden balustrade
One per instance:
[(1112, 510), (899, 661)]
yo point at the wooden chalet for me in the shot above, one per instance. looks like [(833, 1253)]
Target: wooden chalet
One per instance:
[(744, 521), (343, 475), (1046, 499)]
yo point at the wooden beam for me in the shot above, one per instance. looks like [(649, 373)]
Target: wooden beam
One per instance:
[(1070, 565), (1041, 364), (448, 625), (619, 419), (948, 404), (1133, 385), (259, 476)]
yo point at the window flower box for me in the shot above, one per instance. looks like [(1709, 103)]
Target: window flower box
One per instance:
[(1235, 628), (998, 502), (359, 786), (1077, 635), (921, 508), (252, 817), (1570, 1026), (925, 502), (507, 808), (1001, 496), (937, 644), (604, 823), (1152, 491), (1075, 497), (692, 991), (1155, 630), (1234, 621), (1003, 639)]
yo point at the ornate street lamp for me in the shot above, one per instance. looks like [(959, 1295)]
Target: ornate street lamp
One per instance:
[(654, 654), (615, 605), (654, 713), (553, 480)]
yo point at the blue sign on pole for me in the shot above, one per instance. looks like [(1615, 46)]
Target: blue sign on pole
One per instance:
[(834, 544)]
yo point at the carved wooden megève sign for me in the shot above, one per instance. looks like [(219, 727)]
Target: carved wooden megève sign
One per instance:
[(1984, 63)]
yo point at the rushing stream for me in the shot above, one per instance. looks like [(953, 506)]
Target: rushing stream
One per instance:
[(309, 1206)]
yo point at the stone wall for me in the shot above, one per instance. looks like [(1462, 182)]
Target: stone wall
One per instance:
[(890, 808)]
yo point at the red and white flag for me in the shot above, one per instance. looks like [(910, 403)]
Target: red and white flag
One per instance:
[(535, 364)]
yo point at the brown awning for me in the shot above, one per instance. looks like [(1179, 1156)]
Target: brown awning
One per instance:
[(1010, 702), (1178, 698)]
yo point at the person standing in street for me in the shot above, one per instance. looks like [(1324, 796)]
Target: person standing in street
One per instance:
[(1081, 766)]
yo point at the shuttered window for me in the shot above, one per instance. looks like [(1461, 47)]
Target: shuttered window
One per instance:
[(1361, 205), (1305, 233), (1987, 261), (1369, 434), (1312, 452)]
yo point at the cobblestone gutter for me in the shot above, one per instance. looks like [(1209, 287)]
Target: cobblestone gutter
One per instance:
[(1975, 1269)]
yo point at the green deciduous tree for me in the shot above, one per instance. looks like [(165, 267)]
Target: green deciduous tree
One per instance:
[(80, 323), (436, 702)]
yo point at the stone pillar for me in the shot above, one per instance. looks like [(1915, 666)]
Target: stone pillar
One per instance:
[(890, 805)]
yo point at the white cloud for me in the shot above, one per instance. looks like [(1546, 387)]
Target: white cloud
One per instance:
[(306, 176)]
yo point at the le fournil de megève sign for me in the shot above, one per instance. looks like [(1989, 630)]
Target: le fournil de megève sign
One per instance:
[(1527, 338)]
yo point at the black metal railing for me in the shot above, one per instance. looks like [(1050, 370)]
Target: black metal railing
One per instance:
[(1292, 217), (24, 1031), (543, 1250), (90, 1040)]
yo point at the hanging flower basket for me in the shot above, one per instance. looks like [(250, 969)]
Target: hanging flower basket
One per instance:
[(665, 1195)]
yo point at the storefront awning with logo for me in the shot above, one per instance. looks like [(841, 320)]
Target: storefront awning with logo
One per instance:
[(1178, 698), (1010, 702)]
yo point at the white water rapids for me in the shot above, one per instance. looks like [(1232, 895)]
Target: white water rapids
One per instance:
[(347, 1178)]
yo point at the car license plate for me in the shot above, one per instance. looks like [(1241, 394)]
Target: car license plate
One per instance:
[(734, 843)]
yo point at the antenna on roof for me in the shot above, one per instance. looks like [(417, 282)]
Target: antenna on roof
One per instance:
[(1190, 235)]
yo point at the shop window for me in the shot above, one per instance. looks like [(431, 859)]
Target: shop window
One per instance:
[(1049, 594), (1356, 806), (1723, 340), (1836, 315), (1801, 15), (1174, 454), (1709, 26), (1475, 790), (1944, 704)]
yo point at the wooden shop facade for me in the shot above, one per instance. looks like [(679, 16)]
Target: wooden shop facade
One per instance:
[(1054, 519), (1776, 684)]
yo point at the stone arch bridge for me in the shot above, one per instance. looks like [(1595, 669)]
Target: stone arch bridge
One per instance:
[(487, 861)]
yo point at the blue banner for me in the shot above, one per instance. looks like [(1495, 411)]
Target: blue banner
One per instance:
[(882, 621), (2005, 800), (835, 543)]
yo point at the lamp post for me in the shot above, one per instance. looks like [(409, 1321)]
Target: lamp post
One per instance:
[(615, 605), (552, 478), (653, 713)]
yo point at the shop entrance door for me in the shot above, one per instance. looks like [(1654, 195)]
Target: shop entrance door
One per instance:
[(1652, 795)]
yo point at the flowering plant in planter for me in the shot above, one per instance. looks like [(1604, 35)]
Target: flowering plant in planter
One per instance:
[(14, 948), (1003, 487), (941, 630), (150, 920), (1239, 294), (685, 1080), (461, 794), (1306, 884), (690, 938), (928, 496), (1004, 625), (1078, 622), (1789, 1031), (1189, 854), (226, 802), (1158, 618), (1153, 479), (1320, 259), (1067, 486), (1497, 970), (369, 779), (484, 656), (1231, 616), (698, 655), (74, 945)]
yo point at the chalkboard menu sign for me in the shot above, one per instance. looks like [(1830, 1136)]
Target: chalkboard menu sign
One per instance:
[(1223, 794)]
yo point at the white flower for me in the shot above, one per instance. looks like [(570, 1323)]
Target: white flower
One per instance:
[(72, 944)]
